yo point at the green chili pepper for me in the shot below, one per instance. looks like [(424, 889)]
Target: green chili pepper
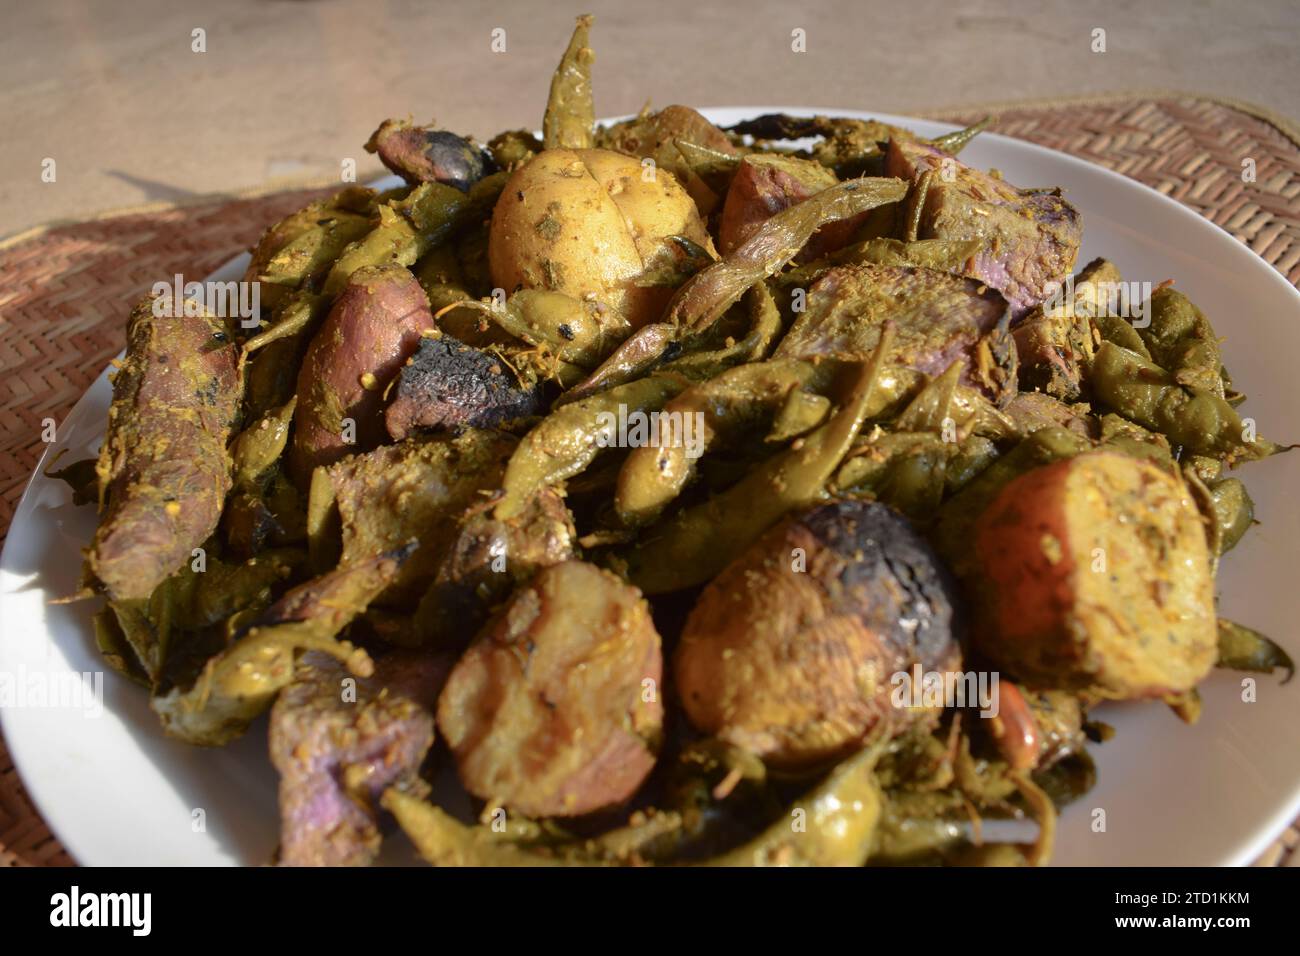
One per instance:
[(699, 542), (571, 437), (703, 300), (570, 116), (954, 142), (1241, 649), (841, 819)]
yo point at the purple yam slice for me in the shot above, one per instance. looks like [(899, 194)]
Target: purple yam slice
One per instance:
[(1030, 238), (339, 745)]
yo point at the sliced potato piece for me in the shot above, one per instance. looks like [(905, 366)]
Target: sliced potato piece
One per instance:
[(1094, 572)]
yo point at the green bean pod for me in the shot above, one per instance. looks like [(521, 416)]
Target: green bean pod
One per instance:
[(569, 439), (652, 477), (703, 300), (699, 542), (1199, 420), (1181, 340), (407, 229), (765, 327)]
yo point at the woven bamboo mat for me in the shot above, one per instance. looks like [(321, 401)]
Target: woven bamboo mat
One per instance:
[(66, 289)]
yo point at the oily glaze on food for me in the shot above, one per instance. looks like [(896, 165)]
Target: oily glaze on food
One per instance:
[(832, 428)]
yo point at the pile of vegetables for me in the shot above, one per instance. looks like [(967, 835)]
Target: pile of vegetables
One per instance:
[(914, 455)]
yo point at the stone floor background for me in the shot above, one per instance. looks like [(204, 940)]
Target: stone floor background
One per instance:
[(289, 88)]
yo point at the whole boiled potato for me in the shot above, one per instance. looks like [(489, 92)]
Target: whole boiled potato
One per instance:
[(590, 223)]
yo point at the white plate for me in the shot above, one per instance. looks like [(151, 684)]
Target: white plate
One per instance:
[(116, 791)]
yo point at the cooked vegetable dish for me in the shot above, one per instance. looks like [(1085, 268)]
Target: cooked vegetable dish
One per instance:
[(662, 491)]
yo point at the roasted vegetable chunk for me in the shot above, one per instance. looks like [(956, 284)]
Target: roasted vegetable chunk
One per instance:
[(652, 134), (448, 384), (163, 469), (1096, 575), (791, 651), (763, 186), (673, 137), (1055, 341), (488, 557), (374, 326), (589, 224), (418, 488), (1030, 238), (424, 154), (555, 709), (940, 318), (338, 741)]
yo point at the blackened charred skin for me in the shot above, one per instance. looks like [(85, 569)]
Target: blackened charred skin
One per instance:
[(777, 126), (423, 154), (448, 384), (790, 652), (890, 570)]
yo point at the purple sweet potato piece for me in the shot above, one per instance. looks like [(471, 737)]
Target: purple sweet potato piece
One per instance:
[(1030, 239), (163, 468), (339, 741), (424, 154), (939, 317), (375, 325)]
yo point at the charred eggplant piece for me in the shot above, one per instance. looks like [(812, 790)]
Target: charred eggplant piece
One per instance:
[(448, 384), (426, 154)]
